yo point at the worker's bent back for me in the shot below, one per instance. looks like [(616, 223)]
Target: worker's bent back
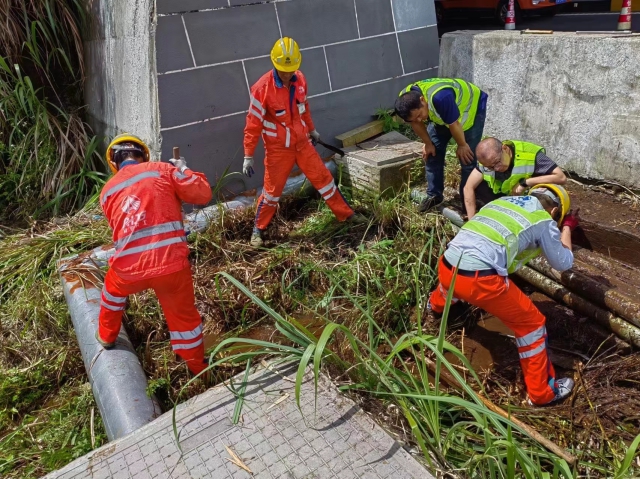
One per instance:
[(142, 204)]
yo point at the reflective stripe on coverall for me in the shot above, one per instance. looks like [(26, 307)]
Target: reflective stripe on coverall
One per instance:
[(281, 116), (500, 297), (142, 203)]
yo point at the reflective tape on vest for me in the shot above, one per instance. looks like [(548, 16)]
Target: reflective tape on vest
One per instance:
[(131, 181), (195, 344), (150, 246), (288, 140), (186, 335), (269, 133), (150, 231), (268, 124), (521, 220)]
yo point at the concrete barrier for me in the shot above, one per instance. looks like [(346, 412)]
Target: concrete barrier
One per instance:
[(577, 95)]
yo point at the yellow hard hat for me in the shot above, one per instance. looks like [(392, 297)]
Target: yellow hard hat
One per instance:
[(560, 193), (286, 55), (124, 138)]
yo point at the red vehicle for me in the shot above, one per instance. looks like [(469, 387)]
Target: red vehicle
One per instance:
[(496, 8)]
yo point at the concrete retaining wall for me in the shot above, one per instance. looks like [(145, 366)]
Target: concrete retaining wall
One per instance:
[(578, 95), (204, 54), (121, 86)]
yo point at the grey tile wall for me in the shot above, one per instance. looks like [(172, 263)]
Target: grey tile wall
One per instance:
[(202, 93), (364, 61), (362, 70), (233, 33), (312, 22), (413, 14), (374, 17), (419, 48), (172, 6), (172, 48)]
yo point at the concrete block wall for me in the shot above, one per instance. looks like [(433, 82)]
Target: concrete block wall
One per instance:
[(577, 95), (356, 55)]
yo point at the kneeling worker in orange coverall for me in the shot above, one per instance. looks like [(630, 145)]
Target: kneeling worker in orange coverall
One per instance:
[(498, 240), (142, 203), (279, 112)]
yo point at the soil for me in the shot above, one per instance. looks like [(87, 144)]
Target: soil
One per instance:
[(610, 221)]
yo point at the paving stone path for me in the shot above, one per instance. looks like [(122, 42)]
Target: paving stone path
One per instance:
[(334, 439)]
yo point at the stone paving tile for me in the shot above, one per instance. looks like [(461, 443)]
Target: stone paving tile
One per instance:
[(331, 440)]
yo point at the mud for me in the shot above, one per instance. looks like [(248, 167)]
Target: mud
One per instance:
[(610, 221)]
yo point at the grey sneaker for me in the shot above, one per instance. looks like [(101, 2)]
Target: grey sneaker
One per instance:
[(430, 202), (357, 219), (256, 240), (104, 344), (564, 387)]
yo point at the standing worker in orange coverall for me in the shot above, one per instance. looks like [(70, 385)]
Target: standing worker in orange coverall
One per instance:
[(498, 240), (280, 113), (142, 203)]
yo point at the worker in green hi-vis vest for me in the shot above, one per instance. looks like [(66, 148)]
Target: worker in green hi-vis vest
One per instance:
[(508, 168), (453, 108)]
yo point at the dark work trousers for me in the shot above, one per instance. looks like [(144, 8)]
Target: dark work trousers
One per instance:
[(440, 136)]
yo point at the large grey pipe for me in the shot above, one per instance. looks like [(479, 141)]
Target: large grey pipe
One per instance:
[(117, 379)]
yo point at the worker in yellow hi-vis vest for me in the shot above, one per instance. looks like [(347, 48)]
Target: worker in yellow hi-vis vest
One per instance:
[(508, 168), (452, 108)]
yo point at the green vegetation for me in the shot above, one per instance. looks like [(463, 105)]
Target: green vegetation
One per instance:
[(48, 159), (46, 403)]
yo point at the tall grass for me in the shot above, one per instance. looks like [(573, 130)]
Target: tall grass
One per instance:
[(48, 158)]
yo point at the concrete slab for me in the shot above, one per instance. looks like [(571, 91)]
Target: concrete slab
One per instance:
[(389, 148), (232, 33), (336, 440), (364, 61), (201, 94), (374, 17), (312, 23), (420, 48), (413, 14), (172, 47)]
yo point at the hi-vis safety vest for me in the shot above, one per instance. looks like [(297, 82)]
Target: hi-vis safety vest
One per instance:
[(524, 163), (501, 222), (467, 98)]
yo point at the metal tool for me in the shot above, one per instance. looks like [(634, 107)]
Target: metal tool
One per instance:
[(328, 147)]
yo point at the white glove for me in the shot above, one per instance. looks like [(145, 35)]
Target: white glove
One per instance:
[(181, 163), (315, 135), (247, 166)]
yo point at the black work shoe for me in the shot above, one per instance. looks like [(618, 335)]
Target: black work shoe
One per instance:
[(104, 344), (430, 202)]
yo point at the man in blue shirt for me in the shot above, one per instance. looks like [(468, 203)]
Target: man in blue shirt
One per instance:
[(453, 108)]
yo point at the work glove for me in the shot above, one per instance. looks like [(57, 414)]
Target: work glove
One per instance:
[(572, 220), (180, 163), (315, 136), (247, 166)]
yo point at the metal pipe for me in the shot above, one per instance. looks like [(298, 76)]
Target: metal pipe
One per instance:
[(118, 382), (117, 379), (622, 329)]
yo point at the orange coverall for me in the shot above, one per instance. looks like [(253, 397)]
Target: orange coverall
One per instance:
[(503, 299), (142, 204), (281, 116)]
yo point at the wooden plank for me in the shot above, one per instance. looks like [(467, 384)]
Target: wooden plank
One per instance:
[(362, 133)]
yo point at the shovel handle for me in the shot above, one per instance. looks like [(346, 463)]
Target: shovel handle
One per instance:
[(176, 152)]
